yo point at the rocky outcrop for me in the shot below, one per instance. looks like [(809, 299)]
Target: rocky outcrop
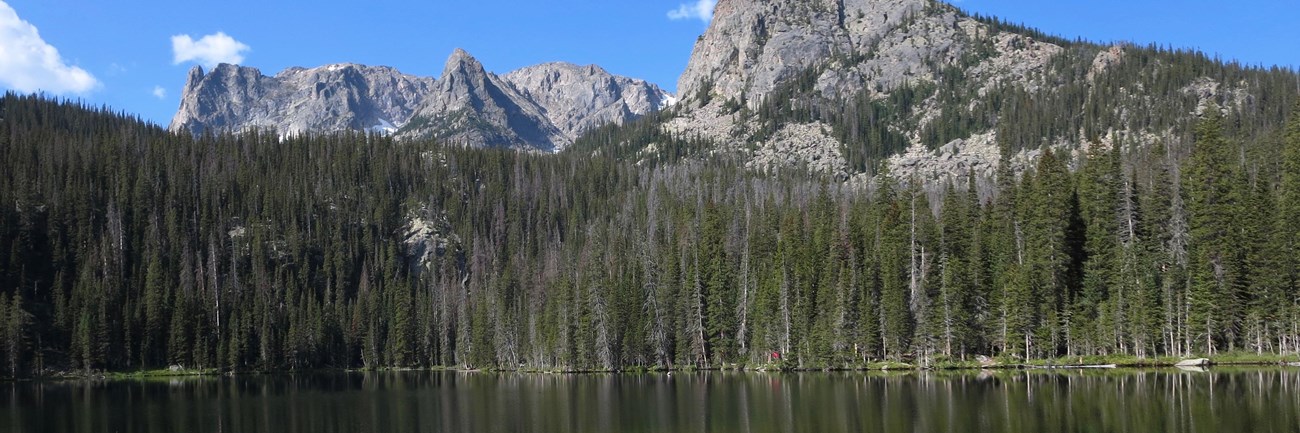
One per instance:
[(326, 99), (543, 107), (753, 45), (853, 48), (806, 145), (578, 98), (977, 154), (472, 107), (873, 45), (426, 236), (842, 50)]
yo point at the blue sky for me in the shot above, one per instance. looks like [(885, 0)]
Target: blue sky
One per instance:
[(124, 53)]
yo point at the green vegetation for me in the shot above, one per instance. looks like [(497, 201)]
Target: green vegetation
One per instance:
[(1149, 89), (161, 373), (127, 248)]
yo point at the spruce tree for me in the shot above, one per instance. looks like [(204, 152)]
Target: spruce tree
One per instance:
[(1211, 218)]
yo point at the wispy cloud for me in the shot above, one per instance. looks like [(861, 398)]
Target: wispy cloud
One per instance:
[(701, 10), (28, 64), (208, 50), (159, 92)]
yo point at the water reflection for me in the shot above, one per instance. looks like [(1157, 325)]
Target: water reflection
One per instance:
[(1167, 400)]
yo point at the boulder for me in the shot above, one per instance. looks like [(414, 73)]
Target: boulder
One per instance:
[(1197, 362)]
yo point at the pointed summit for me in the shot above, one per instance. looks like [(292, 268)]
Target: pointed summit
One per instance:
[(468, 105), (462, 63), (195, 76), (459, 53)]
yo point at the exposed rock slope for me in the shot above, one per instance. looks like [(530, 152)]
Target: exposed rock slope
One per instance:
[(975, 87), (578, 98), (470, 106), (855, 48), (541, 107), (325, 99), (753, 45)]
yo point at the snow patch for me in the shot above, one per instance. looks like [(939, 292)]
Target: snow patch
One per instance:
[(384, 127), (667, 101)]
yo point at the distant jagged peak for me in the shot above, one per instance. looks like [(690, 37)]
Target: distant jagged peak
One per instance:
[(462, 63), (540, 107), (337, 68)]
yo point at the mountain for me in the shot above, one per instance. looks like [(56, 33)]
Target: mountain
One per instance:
[(921, 88), (470, 106), (752, 46), (577, 99), (541, 107), (850, 88), (1131, 202), (325, 99)]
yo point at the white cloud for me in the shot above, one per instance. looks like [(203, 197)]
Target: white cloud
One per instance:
[(208, 50), (701, 10), (159, 92), (28, 64)]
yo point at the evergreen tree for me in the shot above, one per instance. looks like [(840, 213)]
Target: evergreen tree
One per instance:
[(1287, 233), (1210, 216)]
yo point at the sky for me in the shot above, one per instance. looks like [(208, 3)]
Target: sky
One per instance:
[(133, 55)]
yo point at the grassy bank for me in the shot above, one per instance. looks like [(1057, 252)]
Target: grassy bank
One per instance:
[(1118, 361)]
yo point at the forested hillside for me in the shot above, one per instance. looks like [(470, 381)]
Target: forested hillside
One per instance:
[(124, 246), (783, 83)]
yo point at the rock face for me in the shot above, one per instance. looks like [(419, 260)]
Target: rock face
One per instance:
[(853, 48), (958, 67), (578, 98), (1197, 362), (475, 108), (426, 236), (541, 107), (753, 45), (325, 99)]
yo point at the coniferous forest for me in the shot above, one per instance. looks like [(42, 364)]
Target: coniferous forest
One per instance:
[(124, 247)]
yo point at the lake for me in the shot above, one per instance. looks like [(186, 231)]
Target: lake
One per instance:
[(1154, 400)]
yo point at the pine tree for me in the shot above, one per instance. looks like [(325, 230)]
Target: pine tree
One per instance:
[(956, 282), (1210, 215), (155, 310), (718, 287), (1287, 232), (178, 336), (1098, 191), (1048, 209), (893, 258)]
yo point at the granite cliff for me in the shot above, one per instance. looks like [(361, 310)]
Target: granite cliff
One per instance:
[(541, 107)]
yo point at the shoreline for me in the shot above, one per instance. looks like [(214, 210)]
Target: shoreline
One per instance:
[(1075, 363)]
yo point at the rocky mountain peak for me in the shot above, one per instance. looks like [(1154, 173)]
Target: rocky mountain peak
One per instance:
[(752, 45), (829, 53), (578, 98), (466, 104), (462, 64), (473, 107), (331, 98), (195, 75)]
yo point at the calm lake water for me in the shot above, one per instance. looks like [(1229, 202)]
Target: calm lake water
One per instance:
[(1164, 400)]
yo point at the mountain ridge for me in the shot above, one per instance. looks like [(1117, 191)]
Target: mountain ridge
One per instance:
[(850, 88), (466, 104), (922, 89)]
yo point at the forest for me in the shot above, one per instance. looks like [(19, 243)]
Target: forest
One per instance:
[(125, 247)]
